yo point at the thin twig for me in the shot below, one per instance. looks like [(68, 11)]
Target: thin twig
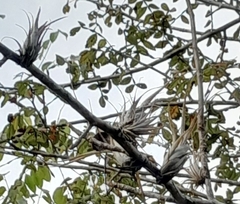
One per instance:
[(80, 137), (201, 126)]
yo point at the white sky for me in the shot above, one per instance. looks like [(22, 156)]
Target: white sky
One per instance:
[(74, 45)]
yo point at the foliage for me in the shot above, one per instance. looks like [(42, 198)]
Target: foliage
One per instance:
[(150, 34)]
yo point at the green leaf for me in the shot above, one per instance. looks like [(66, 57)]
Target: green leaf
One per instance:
[(236, 33), (59, 197), (2, 190), (73, 31), (209, 42), (140, 12), (120, 31), (102, 84), (135, 60), (141, 85), (129, 89), (102, 101), (83, 147), (63, 33), (131, 38), (174, 61), (103, 60), (60, 60), (5, 100), (93, 86), (25, 191), (158, 34), (10, 131), (208, 23), (45, 110), (28, 111), (45, 173), (148, 45), (66, 8), (91, 41), (108, 21), (47, 196), (221, 85), (126, 81), (161, 44), (118, 18), (46, 65), (153, 6), (237, 189), (229, 194), (131, 1), (158, 14), (164, 6), (45, 44), (136, 201), (31, 183), (53, 36), (184, 19), (116, 81), (235, 94), (166, 134), (147, 19), (142, 50), (102, 43), (91, 16), (138, 5), (27, 120), (39, 179)]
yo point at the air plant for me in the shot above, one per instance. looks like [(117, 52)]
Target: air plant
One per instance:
[(133, 124), (32, 45), (177, 155), (173, 163), (195, 172), (136, 121)]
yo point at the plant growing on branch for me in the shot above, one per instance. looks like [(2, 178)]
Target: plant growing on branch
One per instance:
[(172, 146)]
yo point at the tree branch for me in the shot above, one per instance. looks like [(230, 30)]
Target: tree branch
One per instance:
[(201, 124), (163, 103), (219, 4), (160, 60), (66, 97)]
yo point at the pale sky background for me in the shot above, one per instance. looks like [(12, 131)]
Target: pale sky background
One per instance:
[(52, 10)]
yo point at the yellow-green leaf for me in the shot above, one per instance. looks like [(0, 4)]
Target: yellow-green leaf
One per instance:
[(91, 41), (101, 43), (164, 6), (148, 45)]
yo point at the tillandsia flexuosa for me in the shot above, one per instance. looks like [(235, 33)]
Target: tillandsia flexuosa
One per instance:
[(138, 121), (133, 123), (32, 45), (196, 172), (177, 155)]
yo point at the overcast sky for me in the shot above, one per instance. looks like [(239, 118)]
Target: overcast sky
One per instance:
[(51, 10)]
